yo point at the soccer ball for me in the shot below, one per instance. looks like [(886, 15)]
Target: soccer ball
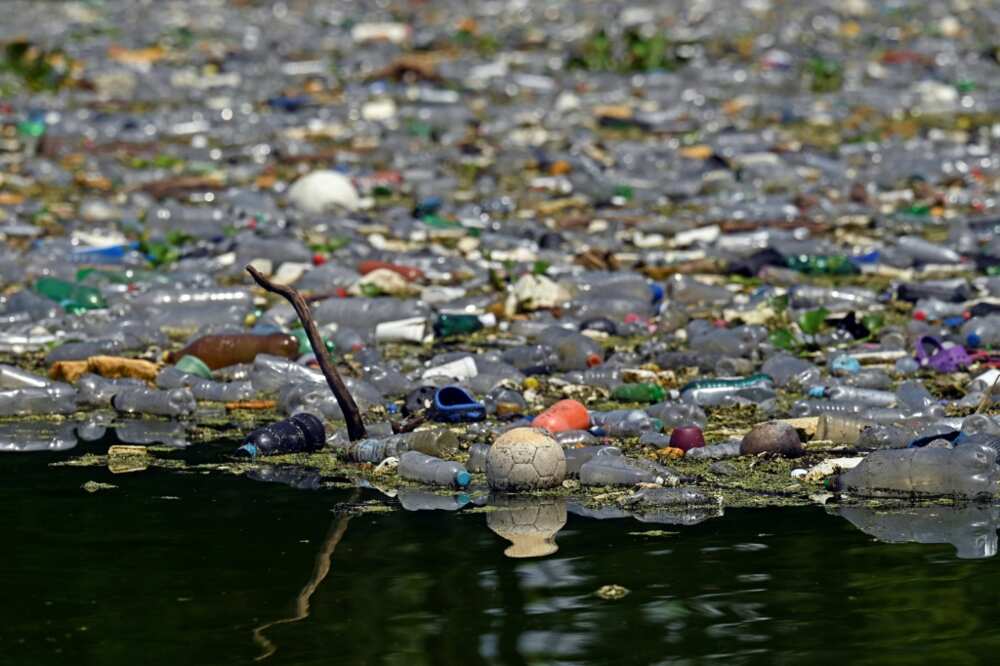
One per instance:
[(525, 459)]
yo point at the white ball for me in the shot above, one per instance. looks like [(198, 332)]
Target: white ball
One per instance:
[(321, 191), (525, 459)]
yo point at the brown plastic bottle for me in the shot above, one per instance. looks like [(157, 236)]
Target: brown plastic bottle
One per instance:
[(219, 351)]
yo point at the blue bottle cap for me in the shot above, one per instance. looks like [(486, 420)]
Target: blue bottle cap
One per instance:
[(817, 392), (657, 292), (953, 322), (973, 339), (248, 449), (846, 363), (462, 499), (462, 479)]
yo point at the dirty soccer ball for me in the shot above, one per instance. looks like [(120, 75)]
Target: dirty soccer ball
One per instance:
[(525, 459)]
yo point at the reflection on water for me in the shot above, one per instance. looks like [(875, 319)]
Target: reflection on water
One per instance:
[(530, 524), (971, 529), (168, 568)]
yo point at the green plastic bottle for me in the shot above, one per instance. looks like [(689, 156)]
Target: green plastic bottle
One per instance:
[(644, 392), (822, 264), (456, 324), (73, 297), (305, 347)]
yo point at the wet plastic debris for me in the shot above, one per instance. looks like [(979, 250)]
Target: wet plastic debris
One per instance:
[(618, 225)]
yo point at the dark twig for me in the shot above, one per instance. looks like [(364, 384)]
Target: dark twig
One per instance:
[(355, 426)]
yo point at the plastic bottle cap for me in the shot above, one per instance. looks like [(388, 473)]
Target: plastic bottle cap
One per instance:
[(249, 449), (462, 478), (194, 366), (920, 315), (657, 293), (816, 392), (973, 339)]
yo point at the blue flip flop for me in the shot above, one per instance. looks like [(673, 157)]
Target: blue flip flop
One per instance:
[(453, 404)]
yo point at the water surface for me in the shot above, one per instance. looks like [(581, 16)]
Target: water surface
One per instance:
[(174, 568)]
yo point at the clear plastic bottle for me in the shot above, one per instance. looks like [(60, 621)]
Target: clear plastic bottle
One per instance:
[(965, 471), (430, 442), (416, 466), (55, 398), (14, 378), (870, 397), (208, 389), (674, 414), (98, 391), (477, 457), (789, 371), (623, 422), (982, 331), (914, 396), (271, 373), (573, 350), (175, 402), (618, 470)]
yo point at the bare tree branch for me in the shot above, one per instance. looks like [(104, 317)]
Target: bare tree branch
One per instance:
[(355, 426)]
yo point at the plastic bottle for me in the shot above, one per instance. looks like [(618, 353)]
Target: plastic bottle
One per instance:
[(623, 422), (715, 451), (914, 396), (964, 471), (871, 397), (73, 297), (175, 402), (208, 389), (573, 438), (300, 433), (97, 391), (477, 458), (15, 378), (576, 457), (270, 373), (675, 414), (714, 391), (218, 351), (925, 251), (448, 324), (416, 466), (430, 442), (573, 350), (789, 371), (618, 470), (644, 392), (55, 398), (982, 331)]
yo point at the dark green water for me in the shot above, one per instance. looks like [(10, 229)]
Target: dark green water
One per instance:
[(185, 569)]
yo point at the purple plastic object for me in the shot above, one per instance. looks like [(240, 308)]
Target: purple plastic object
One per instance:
[(941, 358)]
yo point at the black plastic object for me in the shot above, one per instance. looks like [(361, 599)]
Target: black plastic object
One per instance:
[(850, 323), (302, 432), (750, 266), (602, 324), (419, 400)]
